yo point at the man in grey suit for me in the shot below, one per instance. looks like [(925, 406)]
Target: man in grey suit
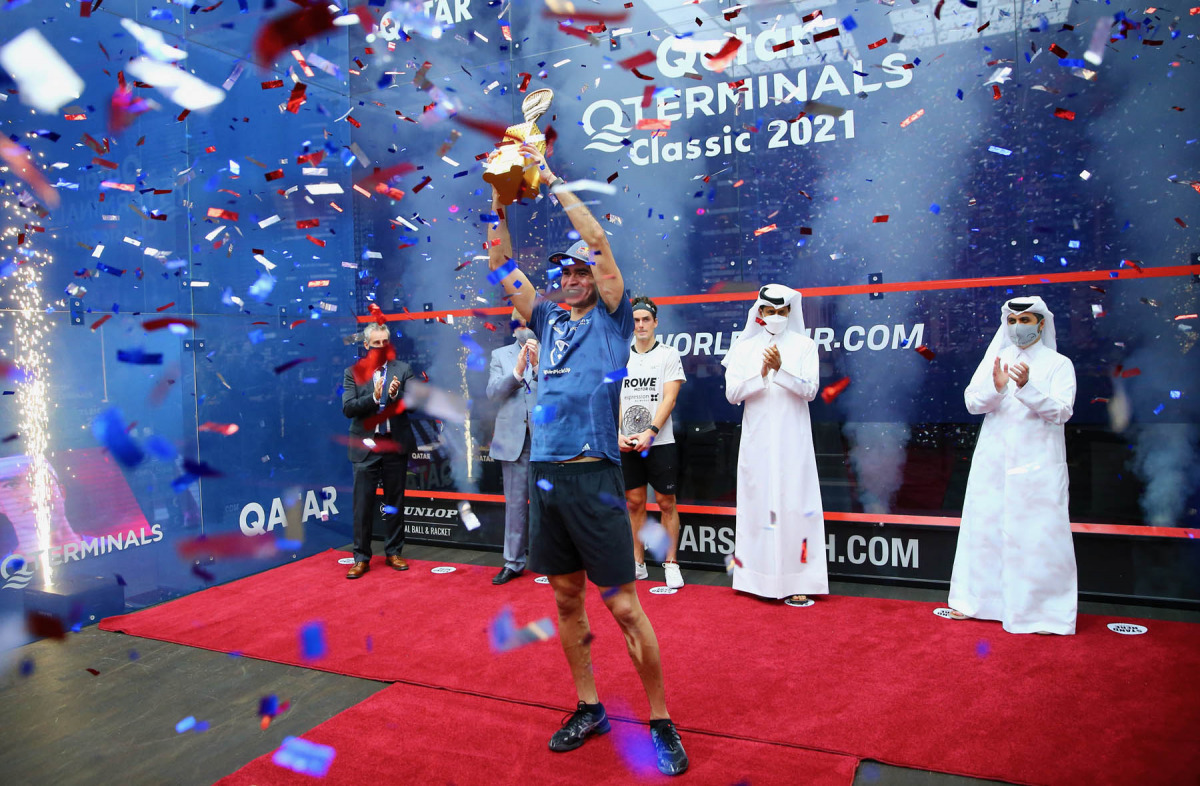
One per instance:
[(380, 441), (512, 380)]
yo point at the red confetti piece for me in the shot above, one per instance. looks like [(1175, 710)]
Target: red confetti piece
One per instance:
[(613, 177), (101, 321), (937, 12), (524, 81), (647, 94), (783, 46), (350, 119), (1180, 222), (995, 92), (765, 230), (826, 34), (296, 98), (644, 58), (586, 16), (806, 230), (150, 325), (833, 391), (1065, 114), (424, 182), (318, 241), (653, 124), (293, 363), (164, 308), (225, 215), (308, 223), (640, 75), (1058, 50), (926, 352), (272, 84), (75, 117), (809, 17), (287, 31), (224, 429), (983, 27), (210, 149), (1148, 42), (92, 671), (273, 175), (906, 122), (804, 551), (1131, 372), (880, 219), (877, 44), (102, 162), (721, 60), (91, 142), (317, 283), (85, 8), (297, 322)]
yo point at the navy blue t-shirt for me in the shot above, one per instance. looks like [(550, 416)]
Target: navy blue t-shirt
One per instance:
[(573, 361)]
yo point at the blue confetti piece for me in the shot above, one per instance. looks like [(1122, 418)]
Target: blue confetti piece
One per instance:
[(109, 269), (542, 414), (255, 336), (1159, 409), (1072, 244), (139, 357), (268, 705), (849, 24), (312, 641), (619, 374), (133, 655), (959, 94), (187, 724), (500, 273), (307, 758), (553, 273), (545, 485), (999, 150), (935, 208), (982, 649), (390, 510), (26, 667), (110, 431), (1176, 394)]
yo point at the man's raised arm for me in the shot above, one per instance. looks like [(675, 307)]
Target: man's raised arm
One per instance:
[(609, 282), (516, 283)]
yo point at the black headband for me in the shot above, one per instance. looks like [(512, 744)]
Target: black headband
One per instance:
[(647, 304), (775, 301)]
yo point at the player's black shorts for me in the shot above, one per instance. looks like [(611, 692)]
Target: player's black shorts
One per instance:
[(578, 521), (660, 468)]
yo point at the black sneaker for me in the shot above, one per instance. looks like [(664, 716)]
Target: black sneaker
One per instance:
[(582, 724), (672, 760)]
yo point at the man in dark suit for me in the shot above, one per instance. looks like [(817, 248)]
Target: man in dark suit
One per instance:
[(512, 380), (380, 441)]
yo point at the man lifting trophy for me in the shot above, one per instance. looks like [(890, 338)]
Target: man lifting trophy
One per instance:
[(506, 170)]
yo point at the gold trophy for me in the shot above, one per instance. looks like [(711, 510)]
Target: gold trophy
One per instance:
[(507, 171)]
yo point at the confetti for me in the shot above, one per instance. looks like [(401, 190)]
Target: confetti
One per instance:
[(312, 641), (110, 430), (1065, 114), (721, 60), (925, 352), (906, 122), (139, 357), (44, 79), (307, 758), (224, 429), (505, 636), (834, 390)]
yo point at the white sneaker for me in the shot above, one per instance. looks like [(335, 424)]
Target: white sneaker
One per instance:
[(674, 577), (639, 571)]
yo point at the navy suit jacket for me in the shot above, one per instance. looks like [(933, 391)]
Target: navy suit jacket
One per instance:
[(358, 404)]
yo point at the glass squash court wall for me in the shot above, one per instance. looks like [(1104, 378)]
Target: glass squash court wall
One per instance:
[(909, 166)]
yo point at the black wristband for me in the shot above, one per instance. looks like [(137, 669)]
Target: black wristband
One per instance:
[(654, 428)]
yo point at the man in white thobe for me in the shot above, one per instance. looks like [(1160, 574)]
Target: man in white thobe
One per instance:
[(780, 537), (1015, 561)]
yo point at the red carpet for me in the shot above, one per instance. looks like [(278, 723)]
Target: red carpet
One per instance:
[(409, 734), (878, 679)]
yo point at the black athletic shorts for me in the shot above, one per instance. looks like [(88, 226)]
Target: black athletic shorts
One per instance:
[(578, 521), (660, 468)]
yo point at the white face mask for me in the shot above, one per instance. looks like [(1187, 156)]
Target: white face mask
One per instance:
[(774, 323), (1023, 335)]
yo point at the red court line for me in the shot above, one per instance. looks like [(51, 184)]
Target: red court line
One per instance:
[(870, 518), (1073, 277)]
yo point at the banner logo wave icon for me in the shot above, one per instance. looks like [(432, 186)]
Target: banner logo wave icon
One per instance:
[(16, 572)]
